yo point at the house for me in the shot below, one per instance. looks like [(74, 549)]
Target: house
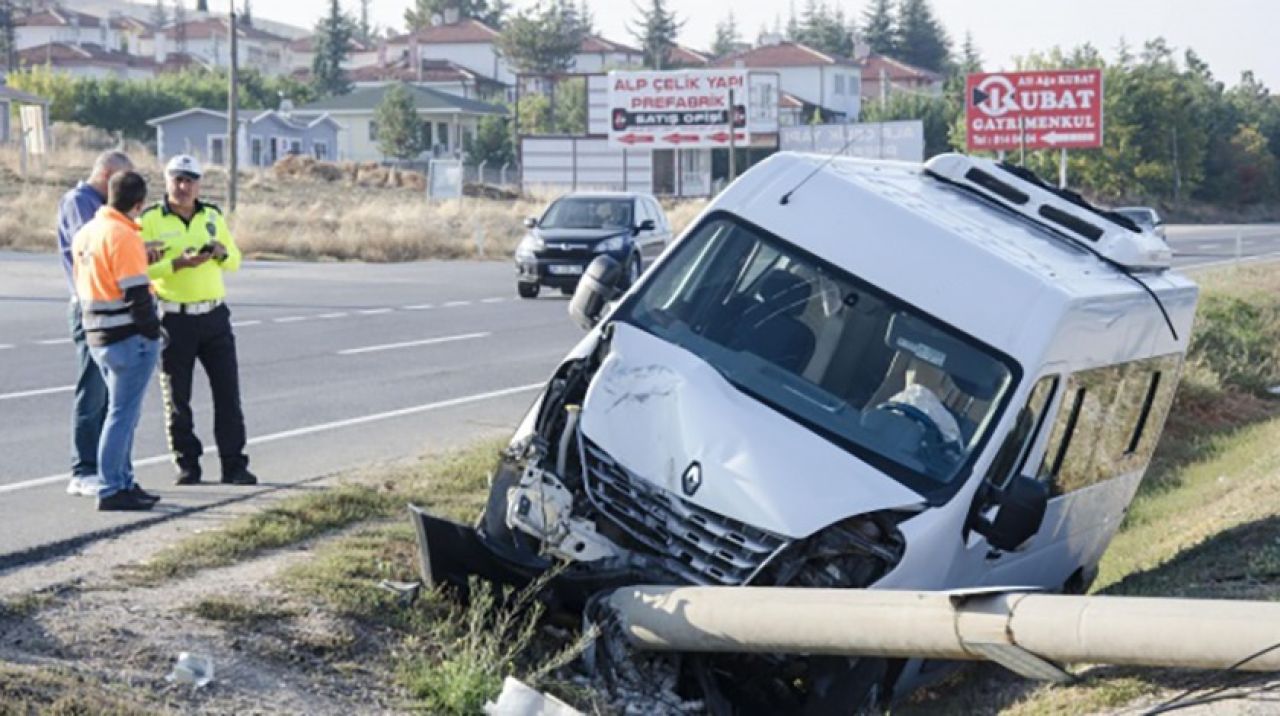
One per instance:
[(681, 57), (449, 121), (817, 78), (443, 75), (463, 41), (793, 111), (92, 60), (882, 75), (208, 40), (301, 54), (10, 98), (58, 25), (263, 138), (600, 55)]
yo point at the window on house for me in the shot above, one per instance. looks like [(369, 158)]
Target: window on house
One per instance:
[(255, 151), (839, 85), (373, 130), (217, 150), (295, 146)]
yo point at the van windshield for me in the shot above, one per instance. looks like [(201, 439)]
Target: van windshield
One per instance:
[(896, 387), (588, 213)]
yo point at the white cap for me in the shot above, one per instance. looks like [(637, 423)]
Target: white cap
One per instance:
[(184, 164)]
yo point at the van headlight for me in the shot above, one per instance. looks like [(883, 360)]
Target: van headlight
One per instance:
[(611, 245), (855, 552), (529, 245)]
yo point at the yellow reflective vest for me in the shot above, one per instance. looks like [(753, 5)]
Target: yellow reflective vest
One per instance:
[(189, 285)]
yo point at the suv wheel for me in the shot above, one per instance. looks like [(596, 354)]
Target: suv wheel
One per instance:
[(527, 290), (633, 270)]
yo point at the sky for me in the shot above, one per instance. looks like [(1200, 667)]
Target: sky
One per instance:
[(1231, 35)]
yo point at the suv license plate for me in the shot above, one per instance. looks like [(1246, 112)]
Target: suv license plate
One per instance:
[(565, 270)]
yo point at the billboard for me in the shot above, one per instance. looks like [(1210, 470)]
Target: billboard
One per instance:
[(678, 109), (902, 140), (1049, 109)]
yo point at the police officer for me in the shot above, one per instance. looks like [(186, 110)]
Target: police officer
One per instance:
[(198, 249)]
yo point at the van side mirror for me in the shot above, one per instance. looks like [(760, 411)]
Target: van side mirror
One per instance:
[(600, 284), (1020, 512), (530, 222), (646, 225)]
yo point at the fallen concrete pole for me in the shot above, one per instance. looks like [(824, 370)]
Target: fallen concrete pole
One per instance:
[(1023, 631)]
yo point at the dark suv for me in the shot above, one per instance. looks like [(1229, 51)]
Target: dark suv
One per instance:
[(578, 227)]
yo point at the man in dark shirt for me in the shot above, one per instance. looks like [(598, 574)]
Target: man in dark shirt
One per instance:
[(89, 407)]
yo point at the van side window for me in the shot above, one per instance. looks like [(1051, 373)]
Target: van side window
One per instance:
[(1107, 421), (1038, 404)]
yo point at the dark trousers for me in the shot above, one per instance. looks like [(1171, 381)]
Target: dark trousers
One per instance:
[(89, 407), (206, 338)]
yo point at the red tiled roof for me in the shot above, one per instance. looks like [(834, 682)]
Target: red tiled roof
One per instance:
[(57, 17), (63, 54), (685, 57), (895, 70), (786, 100), (783, 54), (401, 70), (597, 44), (465, 30), (206, 28), (308, 44)]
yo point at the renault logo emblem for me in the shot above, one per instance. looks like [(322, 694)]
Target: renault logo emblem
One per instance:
[(692, 479)]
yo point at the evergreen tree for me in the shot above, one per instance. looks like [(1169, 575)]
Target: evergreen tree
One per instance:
[(202, 6), (399, 128), (159, 15), (656, 33), (793, 23), (543, 40), (824, 30), (421, 12), (246, 14), (726, 40), (921, 40), (970, 57), (180, 25), (586, 17), (878, 30), (8, 36), (333, 37), (364, 26)]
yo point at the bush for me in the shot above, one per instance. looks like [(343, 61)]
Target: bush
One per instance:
[(1237, 341)]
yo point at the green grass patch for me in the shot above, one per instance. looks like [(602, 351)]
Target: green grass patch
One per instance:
[(235, 610)]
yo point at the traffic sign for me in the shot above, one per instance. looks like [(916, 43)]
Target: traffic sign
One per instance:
[(677, 109), (1048, 109)]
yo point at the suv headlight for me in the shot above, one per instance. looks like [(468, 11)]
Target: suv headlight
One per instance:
[(528, 245), (614, 244)]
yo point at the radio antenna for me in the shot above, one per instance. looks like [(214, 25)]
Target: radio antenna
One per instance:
[(786, 198)]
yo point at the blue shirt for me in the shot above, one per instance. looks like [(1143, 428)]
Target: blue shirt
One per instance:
[(75, 210)]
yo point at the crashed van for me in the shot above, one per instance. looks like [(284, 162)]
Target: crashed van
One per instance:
[(849, 374)]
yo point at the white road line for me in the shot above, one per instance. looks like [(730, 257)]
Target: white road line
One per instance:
[(413, 344), (309, 430), (5, 346), (54, 341), (289, 319), (327, 316), (1214, 245), (419, 307), (34, 393), (242, 324), (374, 311), (498, 299), (453, 304)]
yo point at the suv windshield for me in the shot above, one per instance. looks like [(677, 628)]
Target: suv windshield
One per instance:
[(1141, 217), (894, 386), (588, 213)]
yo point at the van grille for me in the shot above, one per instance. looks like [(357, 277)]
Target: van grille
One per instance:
[(704, 547)]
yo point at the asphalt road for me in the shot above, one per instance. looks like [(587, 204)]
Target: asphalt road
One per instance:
[(342, 365)]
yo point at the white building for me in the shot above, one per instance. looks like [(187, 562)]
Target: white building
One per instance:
[(301, 53), (465, 41), (601, 55), (833, 84), (208, 40), (70, 27)]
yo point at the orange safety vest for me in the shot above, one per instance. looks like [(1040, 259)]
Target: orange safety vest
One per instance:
[(110, 259)]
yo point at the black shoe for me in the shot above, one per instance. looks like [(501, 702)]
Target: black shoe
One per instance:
[(143, 494), (124, 501), (187, 476), (242, 476)]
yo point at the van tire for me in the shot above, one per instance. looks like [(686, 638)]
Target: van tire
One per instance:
[(633, 270), (527, 290)]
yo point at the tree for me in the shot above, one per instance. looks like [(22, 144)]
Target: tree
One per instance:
[(921, 40), (202, 6), (970, 57), (939, 114), (364, 26), (824, 30), (726, 40), (586, 17), (544, 39), (8, 39), (878, 30), (399, 128), (492, 143), (159, 16), (656, 33), (333, 36), (246, 14), (421, 12), (180, 25)]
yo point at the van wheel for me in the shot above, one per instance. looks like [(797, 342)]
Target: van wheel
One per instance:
[(527, 290), (633, 270)]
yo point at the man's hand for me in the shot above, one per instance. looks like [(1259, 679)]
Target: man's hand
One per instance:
[(155, 251), (187, 261), (219, 251)]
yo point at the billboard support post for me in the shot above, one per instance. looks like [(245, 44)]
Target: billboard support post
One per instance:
[(733, 145), (1062, 169)]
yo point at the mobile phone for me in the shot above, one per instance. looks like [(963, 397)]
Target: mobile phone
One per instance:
[(207, 248)]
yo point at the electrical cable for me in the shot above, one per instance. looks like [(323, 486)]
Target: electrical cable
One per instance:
[(1177, 702)]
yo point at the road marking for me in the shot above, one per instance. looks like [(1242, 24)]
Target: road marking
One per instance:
[(453, 304), (289, 319), (54, 341), (34, 393), (309, 430), (498, 299), (419, 307), (242, 324), (374, 311), (327, 316), (413, 344), (5, 346), (1214, 245)]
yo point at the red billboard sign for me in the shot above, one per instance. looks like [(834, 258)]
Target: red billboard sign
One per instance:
[(1051, 109)]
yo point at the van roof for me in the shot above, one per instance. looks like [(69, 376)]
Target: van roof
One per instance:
[(946, 250)]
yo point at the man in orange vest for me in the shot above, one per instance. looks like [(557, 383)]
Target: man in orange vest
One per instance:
[(122, 330)]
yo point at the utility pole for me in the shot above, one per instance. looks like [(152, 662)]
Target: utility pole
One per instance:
[(233, 121)]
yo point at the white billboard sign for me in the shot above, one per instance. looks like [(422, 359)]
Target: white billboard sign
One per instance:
[(678, 109), (903, 140)]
